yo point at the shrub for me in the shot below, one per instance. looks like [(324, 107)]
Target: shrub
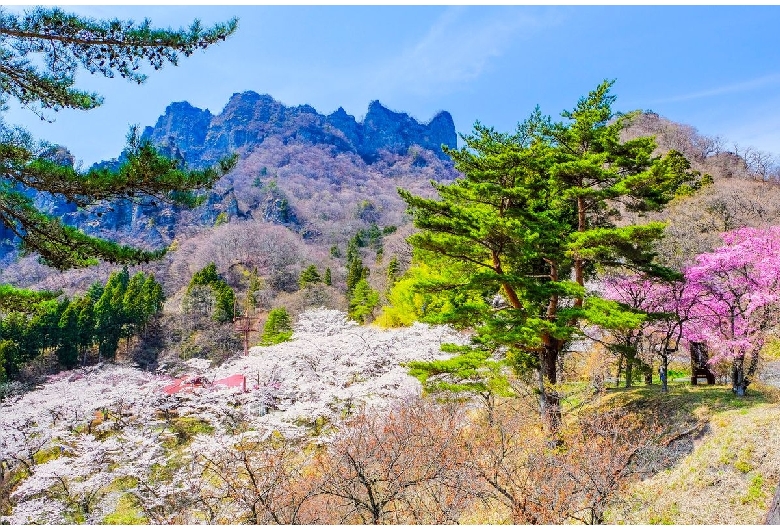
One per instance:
[(278, 327)]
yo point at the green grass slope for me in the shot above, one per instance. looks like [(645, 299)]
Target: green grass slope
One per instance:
[(728, 456)]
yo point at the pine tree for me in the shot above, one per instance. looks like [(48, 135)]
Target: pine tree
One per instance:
[(41, 53), (278, 327), (86, 326), (363, 301), (328, 280), (223, 293), (309, 275), (355, 269), (109, 315), (133, 305), (68, 348), (153, 297), (533, 218)]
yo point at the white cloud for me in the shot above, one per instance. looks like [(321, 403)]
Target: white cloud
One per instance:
[(743, 86), (457, 49)]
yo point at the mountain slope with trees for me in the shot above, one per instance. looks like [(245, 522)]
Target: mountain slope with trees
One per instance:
[(535, 243)]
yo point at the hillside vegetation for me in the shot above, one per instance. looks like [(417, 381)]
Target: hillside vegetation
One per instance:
[(569, 279), (107, 444), (728, 464)]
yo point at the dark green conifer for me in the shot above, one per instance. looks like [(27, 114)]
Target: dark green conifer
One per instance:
[(278, 327), (309, 276), (362, 302), (534, 217)]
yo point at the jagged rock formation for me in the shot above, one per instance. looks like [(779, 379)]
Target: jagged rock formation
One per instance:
[(249, 118), (290, 142)]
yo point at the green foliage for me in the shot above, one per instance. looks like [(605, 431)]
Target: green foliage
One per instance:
[(109, 316), (278, 327), (223, 293), (102, 317), (41, 52), (371, 238), (13, 299), (393, 271), (611, 315), (533, 218), (423, 294), (471, 370), (7, 351), (68, 350), (755, 492), (309, 276), (355, 269), (327, 279), (363, 301)]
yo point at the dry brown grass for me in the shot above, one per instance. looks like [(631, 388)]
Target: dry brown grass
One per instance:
[(733, 465)]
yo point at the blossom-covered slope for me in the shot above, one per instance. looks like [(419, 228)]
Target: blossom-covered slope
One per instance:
[(331, 367), (88, 437)]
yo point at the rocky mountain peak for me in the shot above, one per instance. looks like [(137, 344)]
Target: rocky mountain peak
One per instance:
[(249, 118)]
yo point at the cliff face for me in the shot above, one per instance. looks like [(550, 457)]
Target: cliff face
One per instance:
[(276, 144), (249, 118), (396, 132)]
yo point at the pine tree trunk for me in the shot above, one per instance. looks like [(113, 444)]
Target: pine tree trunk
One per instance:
[(549, 399)]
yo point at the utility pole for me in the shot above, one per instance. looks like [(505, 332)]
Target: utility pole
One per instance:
[(243, 324)]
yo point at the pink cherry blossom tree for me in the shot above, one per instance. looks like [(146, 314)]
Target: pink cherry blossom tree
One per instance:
[(729, 299), (668, 305), (737, 290)]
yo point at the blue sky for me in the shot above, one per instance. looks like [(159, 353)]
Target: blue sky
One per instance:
[(714, 67)]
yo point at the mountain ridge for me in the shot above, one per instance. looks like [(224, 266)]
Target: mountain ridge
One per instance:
[(249, 118), (284, 142)]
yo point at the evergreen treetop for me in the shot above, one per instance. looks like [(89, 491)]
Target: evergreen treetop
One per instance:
[(535, 215), (41, 53)]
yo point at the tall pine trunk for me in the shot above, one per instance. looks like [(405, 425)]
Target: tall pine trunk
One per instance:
[(549, 399)]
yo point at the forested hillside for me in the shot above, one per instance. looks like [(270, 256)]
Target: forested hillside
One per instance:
[(514, 330)]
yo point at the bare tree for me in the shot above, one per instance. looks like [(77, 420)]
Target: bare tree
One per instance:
[(403, 467)]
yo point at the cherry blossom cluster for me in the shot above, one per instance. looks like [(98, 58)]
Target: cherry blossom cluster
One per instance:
[(728, 299), (86, 437)]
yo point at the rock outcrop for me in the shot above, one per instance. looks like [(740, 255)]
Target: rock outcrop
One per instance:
[(253, 123), (249, 118)]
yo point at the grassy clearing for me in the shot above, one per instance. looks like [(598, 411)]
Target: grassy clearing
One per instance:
[(731, 472), (127, 512)]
